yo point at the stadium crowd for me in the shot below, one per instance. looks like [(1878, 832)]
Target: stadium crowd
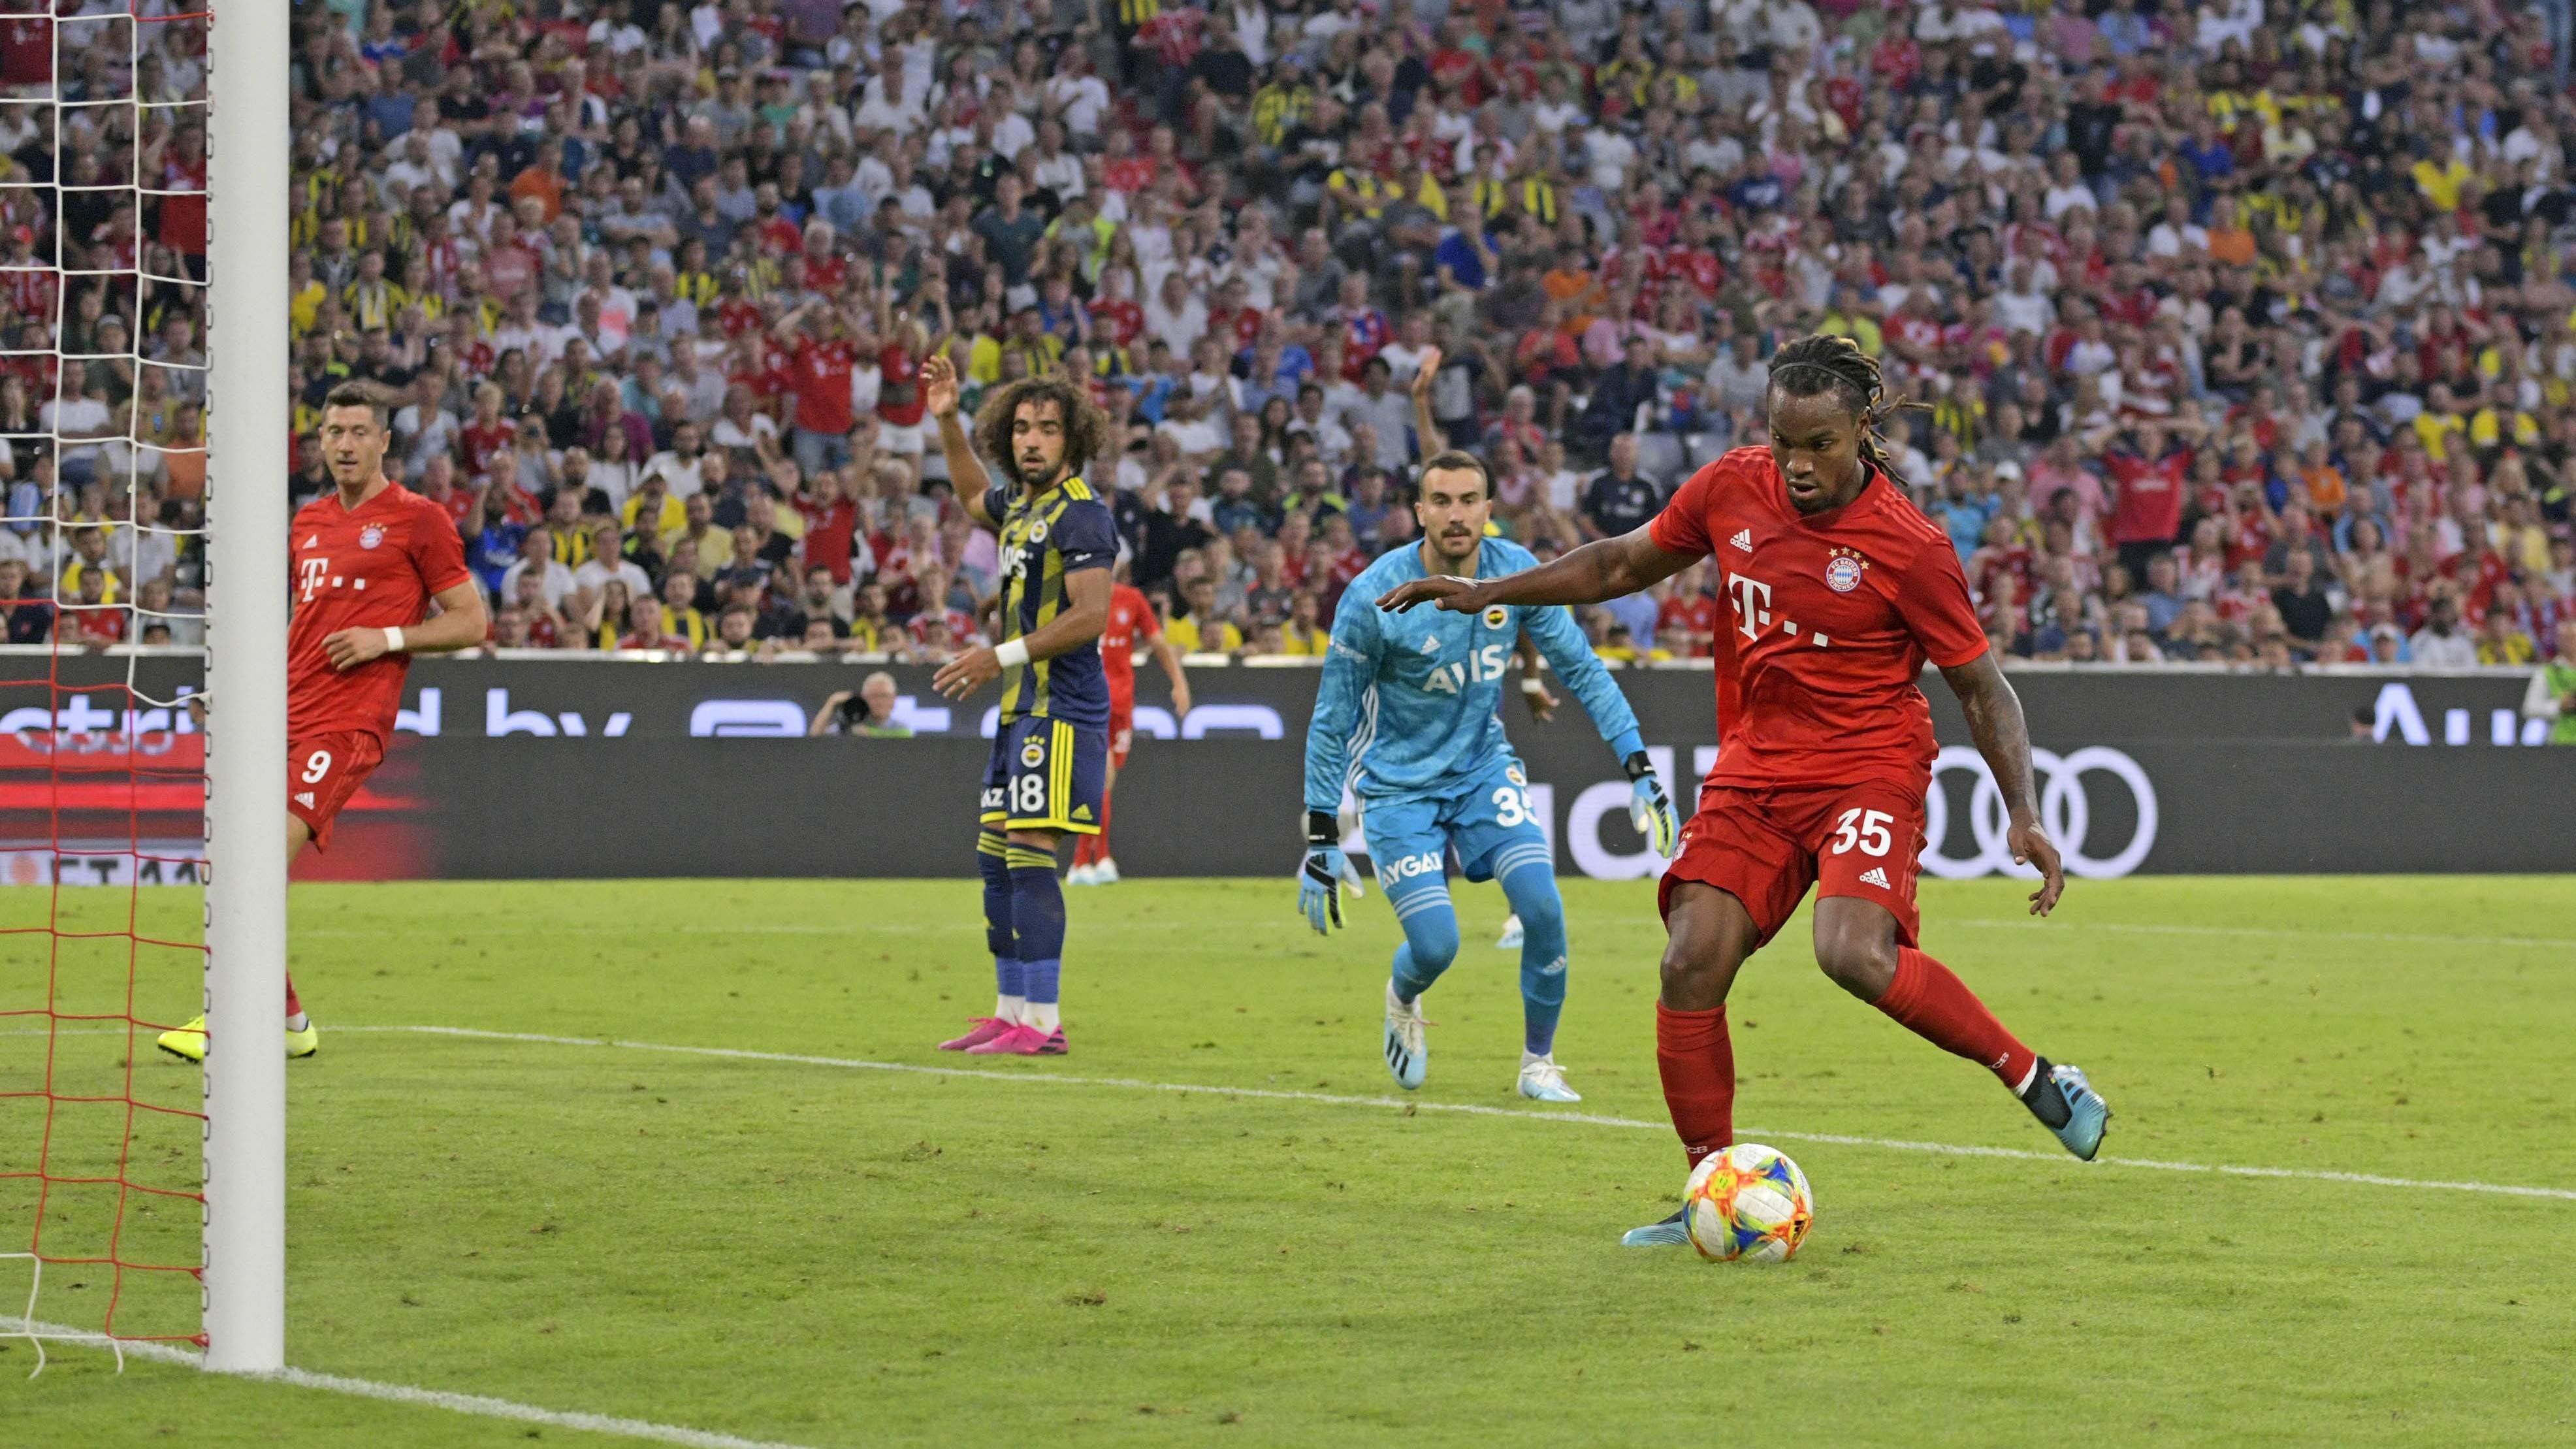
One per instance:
[(2237, 334)]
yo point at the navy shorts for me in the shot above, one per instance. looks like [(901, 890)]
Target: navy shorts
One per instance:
[(1045, 774)]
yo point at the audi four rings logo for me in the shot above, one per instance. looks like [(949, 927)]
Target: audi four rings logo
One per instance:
[(2063, 809)]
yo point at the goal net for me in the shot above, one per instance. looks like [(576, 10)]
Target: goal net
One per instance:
[(110, 1196)]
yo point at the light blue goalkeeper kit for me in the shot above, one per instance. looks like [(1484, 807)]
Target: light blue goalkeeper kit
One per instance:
[(1407, 718)]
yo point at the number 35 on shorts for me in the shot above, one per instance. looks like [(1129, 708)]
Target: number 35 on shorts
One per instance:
[(1864, 830)]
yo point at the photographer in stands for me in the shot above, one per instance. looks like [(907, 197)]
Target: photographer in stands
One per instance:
[(868, 713)]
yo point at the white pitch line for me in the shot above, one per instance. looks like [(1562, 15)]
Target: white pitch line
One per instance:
[(1590, 1119), (477, 1405)]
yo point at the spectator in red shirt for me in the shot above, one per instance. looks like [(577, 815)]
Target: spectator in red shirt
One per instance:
[(821, 358)]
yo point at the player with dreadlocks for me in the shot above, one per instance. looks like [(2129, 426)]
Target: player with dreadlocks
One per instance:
[(1839, 590)]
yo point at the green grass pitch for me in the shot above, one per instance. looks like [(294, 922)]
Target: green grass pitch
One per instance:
[(816, 1253)]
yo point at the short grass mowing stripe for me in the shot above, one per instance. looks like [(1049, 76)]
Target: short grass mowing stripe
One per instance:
[(478, 1405), (1588, 1119), (941, 928)]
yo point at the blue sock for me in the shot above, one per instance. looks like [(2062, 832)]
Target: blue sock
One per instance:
[(998, 937), (1430, 937), (1037, 920), (1532, 890)]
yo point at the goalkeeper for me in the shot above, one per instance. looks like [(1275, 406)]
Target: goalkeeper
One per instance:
[(1406, 718)]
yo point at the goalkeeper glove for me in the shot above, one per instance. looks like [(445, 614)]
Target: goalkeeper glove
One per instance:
[(1649, 808), (1319, 887)]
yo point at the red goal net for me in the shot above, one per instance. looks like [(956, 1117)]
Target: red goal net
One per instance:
[(102, 768)]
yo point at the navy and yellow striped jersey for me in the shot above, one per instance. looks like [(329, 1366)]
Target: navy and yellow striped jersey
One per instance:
[(1046, 538)]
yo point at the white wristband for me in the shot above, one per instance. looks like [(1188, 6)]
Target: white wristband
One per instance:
[(393, 641), (1011, 653), (1532, 684)]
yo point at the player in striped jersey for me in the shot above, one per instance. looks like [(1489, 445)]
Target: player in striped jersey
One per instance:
[(1051, 749)]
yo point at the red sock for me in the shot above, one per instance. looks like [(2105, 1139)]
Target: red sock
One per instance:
[(1929, 1000), (1697, 1060), (293, 1006), (1100, 842), (1083, 849)]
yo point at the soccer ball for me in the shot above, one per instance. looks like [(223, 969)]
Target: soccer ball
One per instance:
[(1748, 1202)]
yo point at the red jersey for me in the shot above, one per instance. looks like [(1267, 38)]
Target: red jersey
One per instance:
[(822, 381), (1691, 613), (183, 209), (1128, 174), (899, 396), (1696, 265), (1131, 617), (1825, 625), (484, 444), (2149, 508), (1121, 320), (27, 50), (375, 567)]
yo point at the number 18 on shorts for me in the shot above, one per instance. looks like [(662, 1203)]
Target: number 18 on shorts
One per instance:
[(1045, 774)]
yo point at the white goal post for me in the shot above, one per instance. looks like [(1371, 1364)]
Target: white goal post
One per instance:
[(247, 463)]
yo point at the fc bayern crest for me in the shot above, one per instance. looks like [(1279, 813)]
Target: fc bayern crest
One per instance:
[(1842, 575), (370, 536)]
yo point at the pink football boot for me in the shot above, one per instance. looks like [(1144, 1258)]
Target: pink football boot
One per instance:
[(1021, 1041), (984, 1029)]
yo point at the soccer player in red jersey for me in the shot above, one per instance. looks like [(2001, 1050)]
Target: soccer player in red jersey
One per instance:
[(369, 556), (1836, 591), (1130, 614)]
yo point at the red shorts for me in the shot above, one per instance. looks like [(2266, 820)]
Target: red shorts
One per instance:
[(1765, 847), (1122, 731), (322, 772)]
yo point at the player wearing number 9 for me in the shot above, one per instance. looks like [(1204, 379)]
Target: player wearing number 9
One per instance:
[(368, 559), (1407, 719)]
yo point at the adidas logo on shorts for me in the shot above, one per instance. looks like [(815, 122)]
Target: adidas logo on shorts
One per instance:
[(304, 798), (1875, 876)]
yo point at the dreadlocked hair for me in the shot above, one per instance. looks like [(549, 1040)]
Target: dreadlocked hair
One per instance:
[(1824, 362)]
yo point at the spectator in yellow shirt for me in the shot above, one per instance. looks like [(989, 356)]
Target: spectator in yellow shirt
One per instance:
[(661, 514), (680, 616), (1305, 635), (2441, 181), (2500, 641), (1201, 631), (2437, 422)]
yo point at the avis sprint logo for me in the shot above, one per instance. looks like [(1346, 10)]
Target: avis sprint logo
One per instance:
[(1427, 863)]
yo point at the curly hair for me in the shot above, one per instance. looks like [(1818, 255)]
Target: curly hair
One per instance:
[(1823, 362), (1086, 427)]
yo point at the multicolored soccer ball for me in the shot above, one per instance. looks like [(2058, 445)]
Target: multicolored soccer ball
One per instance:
[(1748, 1202)]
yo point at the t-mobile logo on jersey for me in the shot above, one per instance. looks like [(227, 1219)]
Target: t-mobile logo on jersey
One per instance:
[(312, 571), (1752, 604)]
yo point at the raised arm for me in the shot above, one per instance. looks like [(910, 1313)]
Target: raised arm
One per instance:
[(1609, 568), (965, 472), (2003, 738), (1426, 431)]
